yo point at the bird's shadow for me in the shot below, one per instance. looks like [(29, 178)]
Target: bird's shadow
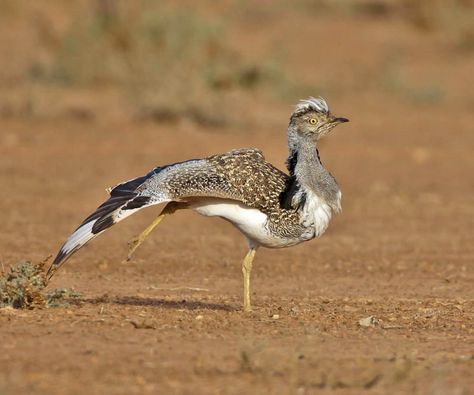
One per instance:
[(182, 304)]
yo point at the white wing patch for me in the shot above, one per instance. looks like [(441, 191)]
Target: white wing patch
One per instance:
[(80, 237), (84, 233)]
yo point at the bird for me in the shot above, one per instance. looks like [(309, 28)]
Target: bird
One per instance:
[(271, 208)]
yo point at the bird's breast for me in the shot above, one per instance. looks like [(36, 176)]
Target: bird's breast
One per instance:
[(315, 214)]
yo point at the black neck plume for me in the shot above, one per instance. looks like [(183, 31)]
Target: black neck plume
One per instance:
[(292, 186), (291, 162)]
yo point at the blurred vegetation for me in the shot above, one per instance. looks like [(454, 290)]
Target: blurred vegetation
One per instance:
[(170, 60), (455, 18), (21, 287), (395, 82)]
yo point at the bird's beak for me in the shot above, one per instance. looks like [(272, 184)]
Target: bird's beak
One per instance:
[(340, 120)]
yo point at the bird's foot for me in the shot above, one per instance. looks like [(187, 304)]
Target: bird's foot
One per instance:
[(133, 245)]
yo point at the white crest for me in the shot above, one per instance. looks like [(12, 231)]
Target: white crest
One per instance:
[(311, 104)]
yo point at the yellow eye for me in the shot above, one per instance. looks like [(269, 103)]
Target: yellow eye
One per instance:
[(313, 121)]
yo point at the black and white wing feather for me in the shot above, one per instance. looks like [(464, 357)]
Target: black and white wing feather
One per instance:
[(241, 175)]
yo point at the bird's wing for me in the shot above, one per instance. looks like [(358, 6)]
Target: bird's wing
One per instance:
[(241, 175)]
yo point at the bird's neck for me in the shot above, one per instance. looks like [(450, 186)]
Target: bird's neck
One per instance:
[(303, 160), (308, 176)]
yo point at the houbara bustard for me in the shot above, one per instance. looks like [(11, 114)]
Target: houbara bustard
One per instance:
[(272, 209)]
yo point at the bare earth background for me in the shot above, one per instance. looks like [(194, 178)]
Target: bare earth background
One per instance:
[(97, 92)]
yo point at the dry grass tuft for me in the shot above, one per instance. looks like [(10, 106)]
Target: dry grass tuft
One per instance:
[(21, 287)]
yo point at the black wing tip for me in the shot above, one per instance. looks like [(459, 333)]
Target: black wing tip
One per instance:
[(102, 224), (58, 261), (103, 219), (59, 258), (131, 186), (123, 196), (106, 220), (138, 202)]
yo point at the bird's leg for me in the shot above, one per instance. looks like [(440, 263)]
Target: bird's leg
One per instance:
[(170, 208), (246, 269)]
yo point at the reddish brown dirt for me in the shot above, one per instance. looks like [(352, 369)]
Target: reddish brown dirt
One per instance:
[(169, 321)]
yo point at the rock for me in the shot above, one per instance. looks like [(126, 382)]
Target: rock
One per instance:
[(369, 322)]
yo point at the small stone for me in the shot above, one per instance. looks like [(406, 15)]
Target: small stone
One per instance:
[(143, 324), (368, 322), (199, 317), (275, 316)]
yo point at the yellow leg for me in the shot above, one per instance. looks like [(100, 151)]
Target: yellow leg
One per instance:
[(133, 244), (246, 269)]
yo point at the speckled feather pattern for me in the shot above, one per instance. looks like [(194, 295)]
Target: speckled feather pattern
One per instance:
[(243, 175), (271, 208)]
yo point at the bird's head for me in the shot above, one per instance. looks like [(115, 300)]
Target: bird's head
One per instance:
[(312, 118)]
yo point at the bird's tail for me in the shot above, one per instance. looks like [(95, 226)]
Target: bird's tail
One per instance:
[(124, 200)]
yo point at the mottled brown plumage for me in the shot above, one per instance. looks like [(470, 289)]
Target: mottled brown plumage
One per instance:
[(271, 208), (242, 175)]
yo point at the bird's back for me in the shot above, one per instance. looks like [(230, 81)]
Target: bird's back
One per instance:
[(242, 175)]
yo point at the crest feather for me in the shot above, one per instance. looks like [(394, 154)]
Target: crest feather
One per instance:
[(311, 104)]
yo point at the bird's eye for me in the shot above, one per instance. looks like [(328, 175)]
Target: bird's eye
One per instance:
[(313, 121)]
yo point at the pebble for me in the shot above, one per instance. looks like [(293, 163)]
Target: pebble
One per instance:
[(368, 322)]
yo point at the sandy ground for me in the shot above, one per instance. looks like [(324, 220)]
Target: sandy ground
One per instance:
[(169, 321)]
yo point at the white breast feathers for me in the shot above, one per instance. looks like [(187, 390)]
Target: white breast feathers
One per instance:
[(316, 213)]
